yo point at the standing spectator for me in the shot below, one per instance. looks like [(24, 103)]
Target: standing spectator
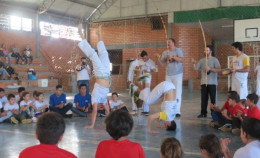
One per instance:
[(147, 65), (240, 65), (173, 58), (83, 72), (27, 54), (4, 74), (82, 102), (209, 87), (4, 52), (257, 74), (16, 54), (58, 103)]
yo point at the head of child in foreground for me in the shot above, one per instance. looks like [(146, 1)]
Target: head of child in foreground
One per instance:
[(11, 99), (119, 123), (171, 148), (252, 99), (233, 99), (114, 96), (210, 146), (250, 130), (170, 125), (50, 128)]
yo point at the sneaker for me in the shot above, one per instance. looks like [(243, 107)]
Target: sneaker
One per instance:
[(25, 121), (145, 113), (68, 116), (34, 119), (13, 120), (212, 124), (236, 131), (178, 115), (226, 128), (132, 112), (202, 116)]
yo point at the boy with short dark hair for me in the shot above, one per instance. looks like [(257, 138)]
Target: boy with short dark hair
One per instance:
[(116, 103), (3, 98), (20, 94), (253, 110), (58, 103), (49, 131), (13, 107), (119, 124)]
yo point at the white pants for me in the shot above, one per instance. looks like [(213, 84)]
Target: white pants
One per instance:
[(100, 61), (258, 87), (151, 97), (99, 94), (177, 81), (239, 87)]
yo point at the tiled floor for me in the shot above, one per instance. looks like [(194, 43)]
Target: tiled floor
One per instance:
[(83, 143)]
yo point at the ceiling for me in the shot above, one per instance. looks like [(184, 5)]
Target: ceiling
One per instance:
[(69, 8)]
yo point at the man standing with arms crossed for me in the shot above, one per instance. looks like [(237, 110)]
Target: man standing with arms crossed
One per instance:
[(173, 58)]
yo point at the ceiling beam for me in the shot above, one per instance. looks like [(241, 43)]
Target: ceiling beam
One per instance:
[(91, 5)]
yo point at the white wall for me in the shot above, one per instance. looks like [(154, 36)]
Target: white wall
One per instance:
[(135, 8)]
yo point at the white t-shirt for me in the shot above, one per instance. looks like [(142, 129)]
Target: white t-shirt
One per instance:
[(9, 107), (113, 104), (251, 150), (38, 105), (17, 98), (23, 103), (148, 65), (238, 63), (1, 105), (3, 100), (258, 71), (83, 74)]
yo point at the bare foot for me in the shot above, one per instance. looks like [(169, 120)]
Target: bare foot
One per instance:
[(153, 132), (89, 127)]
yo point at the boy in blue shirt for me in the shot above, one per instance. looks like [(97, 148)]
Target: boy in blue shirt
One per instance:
[(58, 103), (82, 102)]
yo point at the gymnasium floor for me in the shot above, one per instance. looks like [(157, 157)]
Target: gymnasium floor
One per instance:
[(83, 143)]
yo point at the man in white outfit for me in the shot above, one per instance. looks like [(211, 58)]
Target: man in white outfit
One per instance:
[(173, 58), (240, 65), (101, 67)]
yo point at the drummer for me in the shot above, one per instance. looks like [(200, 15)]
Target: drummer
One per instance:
[(209, 79)]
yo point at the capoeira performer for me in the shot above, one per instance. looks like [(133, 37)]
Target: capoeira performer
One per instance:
[(101, 67), (165, 89)]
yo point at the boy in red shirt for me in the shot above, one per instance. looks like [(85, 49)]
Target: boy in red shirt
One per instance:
[(49, 131), (119, 124), (253, 110), (232, 117)]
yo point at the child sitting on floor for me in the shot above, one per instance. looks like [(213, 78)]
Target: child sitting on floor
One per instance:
[(13, 107), (119, 124), (171, 148), (116, 104), (49, 131), (26, 105), (39, 105)]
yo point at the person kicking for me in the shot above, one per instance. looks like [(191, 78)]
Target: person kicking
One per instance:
[(101, 65)]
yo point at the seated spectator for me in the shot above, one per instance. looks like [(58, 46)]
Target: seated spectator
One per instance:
[(116, 104), (253, 110), (13, 107), (250, 135), (82, 102), (10, 70), (16, 54), (4, 115), (35, 95), (49, 131), (210, 146), (28, 54), (3, 98), (20, 94), (40, 106), (26, 106), (119, 124), (58, 103), (4, 53), (171, 148), (3, 73)]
